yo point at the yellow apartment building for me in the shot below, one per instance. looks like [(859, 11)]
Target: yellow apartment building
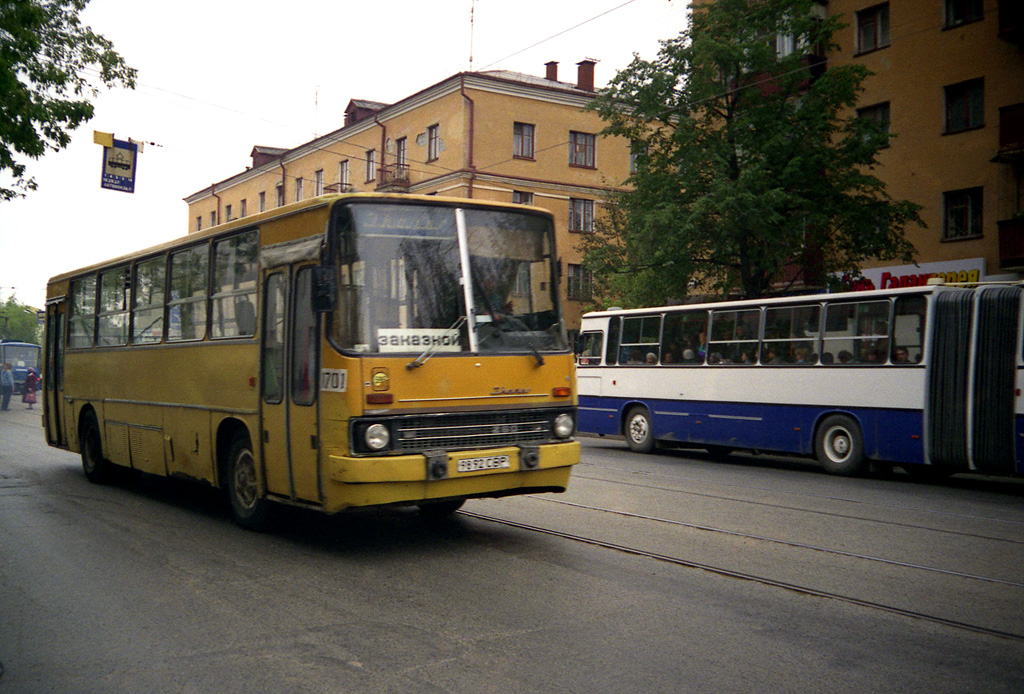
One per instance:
[(492, 135), (949, 80)]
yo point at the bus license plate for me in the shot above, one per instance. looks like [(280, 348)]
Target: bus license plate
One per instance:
[(491, 462)]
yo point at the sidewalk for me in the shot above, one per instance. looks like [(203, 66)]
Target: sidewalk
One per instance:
[(19, 413)]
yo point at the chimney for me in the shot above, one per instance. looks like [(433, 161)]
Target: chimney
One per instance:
[(552, 73), (585, 74)]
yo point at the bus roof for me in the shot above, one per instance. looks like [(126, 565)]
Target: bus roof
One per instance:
[(783, 300)]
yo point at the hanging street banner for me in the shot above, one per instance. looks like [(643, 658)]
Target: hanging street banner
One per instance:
[(119, 162)]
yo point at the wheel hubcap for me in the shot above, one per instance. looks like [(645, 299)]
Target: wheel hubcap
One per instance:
[(638, 427), (839, 445), (245, 479)]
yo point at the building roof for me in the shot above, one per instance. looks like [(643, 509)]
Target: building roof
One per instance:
[(518, 80)]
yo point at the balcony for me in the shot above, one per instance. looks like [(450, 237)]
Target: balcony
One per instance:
[(1011, 244), (394, 178), (1011, 21), (1011, 134)]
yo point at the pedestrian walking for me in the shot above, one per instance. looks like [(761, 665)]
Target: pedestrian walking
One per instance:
[(28, 390), (6, 385)]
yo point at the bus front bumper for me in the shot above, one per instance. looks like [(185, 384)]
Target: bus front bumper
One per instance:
[(351, 482)]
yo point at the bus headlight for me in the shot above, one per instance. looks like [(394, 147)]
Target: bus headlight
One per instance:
[(377, 437), (563, 425)]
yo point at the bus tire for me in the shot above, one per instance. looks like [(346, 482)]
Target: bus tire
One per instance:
[(97, 469), (639, 435), (249, 507), (839, 446)]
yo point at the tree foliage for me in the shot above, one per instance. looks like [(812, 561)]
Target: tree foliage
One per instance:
[(45, 53), (18, 321), (750, 167)]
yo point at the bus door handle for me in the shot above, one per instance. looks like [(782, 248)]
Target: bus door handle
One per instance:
[(266, 436)]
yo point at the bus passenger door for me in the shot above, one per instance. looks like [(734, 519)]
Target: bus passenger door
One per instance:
[(53, 374), (289, 366)]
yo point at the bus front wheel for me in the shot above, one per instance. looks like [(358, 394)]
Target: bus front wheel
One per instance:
[(840, 446), (639, 434), (97, 469), (250, 509)]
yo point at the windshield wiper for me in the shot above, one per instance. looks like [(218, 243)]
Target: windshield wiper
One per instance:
[(429, 352), (536, 352)]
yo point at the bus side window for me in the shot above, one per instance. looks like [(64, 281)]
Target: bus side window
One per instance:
[(82, 319), (857, 332), (613, 341), (234, 285), (641, 340), (734, 336), (791, 335), (908, 330), (590, 347)]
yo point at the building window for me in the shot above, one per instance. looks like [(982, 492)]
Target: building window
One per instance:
[(280, 194), (522, 140), (213, 219), (581, 214), (199, 222), (227, 213), (402, 152), (298, 189), (961, 214), (879, 113), (371, 165), (521, 197), (963, 12), (318, 182), (637, 149), (873, 28), (581, 149), (965, 105), (263, 202), (343, 174), (786, 44), (244, 207), (580, 283), (433, 142)]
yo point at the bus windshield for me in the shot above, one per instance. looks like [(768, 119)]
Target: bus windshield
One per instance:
[(401, 271)]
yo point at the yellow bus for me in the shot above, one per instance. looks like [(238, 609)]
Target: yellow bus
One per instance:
[(345, 351)]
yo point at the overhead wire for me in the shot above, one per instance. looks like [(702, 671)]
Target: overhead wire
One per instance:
[(432, 168)]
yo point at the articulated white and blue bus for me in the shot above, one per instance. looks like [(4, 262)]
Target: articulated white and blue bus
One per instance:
[(927, 378)]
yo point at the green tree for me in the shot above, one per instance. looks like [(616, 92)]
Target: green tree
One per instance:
[(748, 172), (44, 53), (18, 321)]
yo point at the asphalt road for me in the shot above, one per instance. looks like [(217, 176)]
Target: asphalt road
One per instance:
[(661, 573)]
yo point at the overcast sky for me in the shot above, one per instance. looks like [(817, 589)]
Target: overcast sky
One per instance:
[(216, 78)]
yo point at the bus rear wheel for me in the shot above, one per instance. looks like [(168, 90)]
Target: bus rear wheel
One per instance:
[(97, 469), (248, 505), (839, 446), (639, 434)]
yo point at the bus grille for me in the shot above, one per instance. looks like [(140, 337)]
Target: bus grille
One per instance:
[(484, 430)]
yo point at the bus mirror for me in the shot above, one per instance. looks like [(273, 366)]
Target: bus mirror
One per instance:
[(325, 289)]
